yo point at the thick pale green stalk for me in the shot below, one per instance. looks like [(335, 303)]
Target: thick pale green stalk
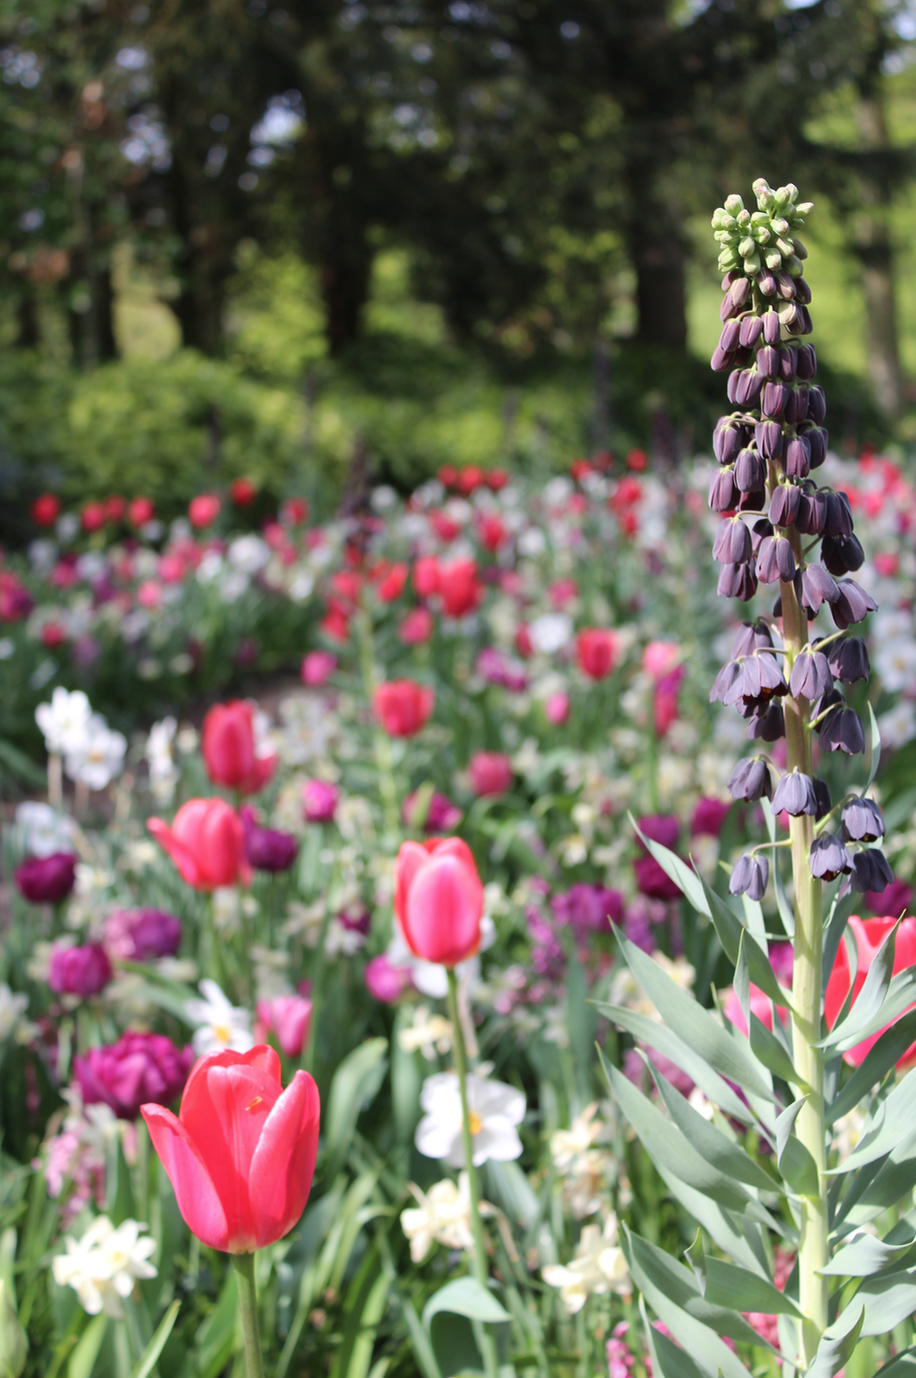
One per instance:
[(806, 996), (481, 1271), (248, 1310)]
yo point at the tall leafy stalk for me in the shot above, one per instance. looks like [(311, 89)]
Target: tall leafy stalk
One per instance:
[(787, 680)]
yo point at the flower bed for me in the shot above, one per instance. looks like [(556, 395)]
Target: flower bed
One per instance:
[(524, 669)]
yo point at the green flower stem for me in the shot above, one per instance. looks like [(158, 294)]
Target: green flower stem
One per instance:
[(248, 1309), (481, 1271), (807, 999), (382, 743)]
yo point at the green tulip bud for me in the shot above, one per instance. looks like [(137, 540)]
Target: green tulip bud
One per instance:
[(746, 247), (773, 260), (14, 1343), (759, 218), (728, 260), (785, 247), (761, 234), (743, 218), (794, 267), (752, 263), (733, 204), (800, 250), (780, 226), (805, 208)]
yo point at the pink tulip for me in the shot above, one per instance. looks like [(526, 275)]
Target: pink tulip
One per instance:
[(438, 900), (289, 1017), (206, 842)]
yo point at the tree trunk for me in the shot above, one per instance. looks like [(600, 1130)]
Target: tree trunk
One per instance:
[(345, 289), (658, 258), (28, 333), (103, 306), (873, 247)]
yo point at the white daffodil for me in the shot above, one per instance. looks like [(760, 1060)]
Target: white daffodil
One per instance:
[(41, 831), (428, 1034), (64, 719), (566, 1145), (442, 1216), (104, 1265), (598, 1267), (494, 1109), (12, 1008), (97, 756), (220, 1025), (163, 773)]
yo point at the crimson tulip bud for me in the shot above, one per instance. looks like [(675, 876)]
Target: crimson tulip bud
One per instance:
[(597, 649), (232, 753), (241, 1152), (403, 707), (438, 900)]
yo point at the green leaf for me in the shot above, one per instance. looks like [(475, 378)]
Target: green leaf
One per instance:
[(692, 1024), (892, 1122), (422, 1349), (835, 927), (364, 1307), (901, 1366), (661, 1038), (785, 1123), (879, 1060), (667, 1146), (509, 1188), (837, 1344), (465, 1297), (741, 1290), (356, 1084), (147, 1361), (216, 1337), (889, 1299), (767, 1048), (670, 1289), (82, 1360), (669, 1360), (580, 1022), (878, 1186), (863, 1257), (871, 997), (901, 995), (712, 1145), (696, 1257), (784, 908), (875, 740)]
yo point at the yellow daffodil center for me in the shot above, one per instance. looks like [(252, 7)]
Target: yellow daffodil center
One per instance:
[(222, 1032), (475, 1123)]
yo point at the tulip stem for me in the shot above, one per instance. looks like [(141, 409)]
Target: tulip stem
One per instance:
[(248, 1309), (481, 1270), (388, 789)]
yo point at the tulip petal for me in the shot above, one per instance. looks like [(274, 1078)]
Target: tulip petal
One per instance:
[(187, 866), (443, 909), (224, 1109), (284, 1160), (195, 1192), (410, 858)]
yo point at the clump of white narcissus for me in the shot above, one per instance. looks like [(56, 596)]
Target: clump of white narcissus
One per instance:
[(599, 1267), (93, 754), (104, 1265)]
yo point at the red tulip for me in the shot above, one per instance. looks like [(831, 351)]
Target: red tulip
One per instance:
[(203, 510), (93, 517), (140, 511), (402, 706), (317, 668), (496, 480), (294, 511), (115, 508), (438, 900), (869, 934), (458, 587), (241, 1152), (597, 649), (391, 586), (490, 772), (470, 478), (426, 575), (492, 532), (206, 842), (46, 509), (230, 749), (243, 492)]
